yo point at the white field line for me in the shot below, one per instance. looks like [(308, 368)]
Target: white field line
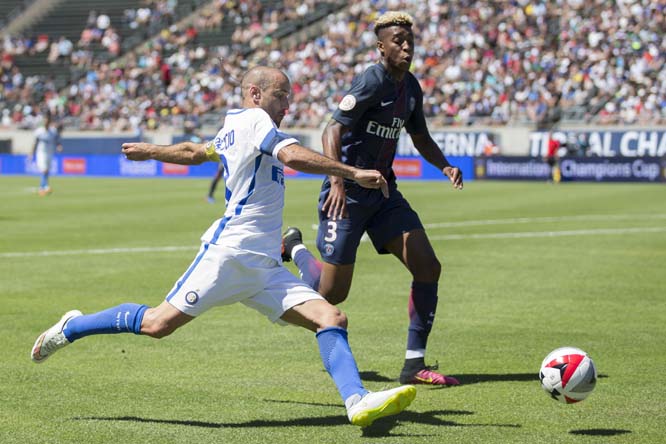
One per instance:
[(530, 220), (511, 235), (97, 251), (563, 233)]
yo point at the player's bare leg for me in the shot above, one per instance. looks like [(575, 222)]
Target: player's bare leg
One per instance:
[(415, 251), (156, 322), (330, 280), (163, 320), (335, 282)]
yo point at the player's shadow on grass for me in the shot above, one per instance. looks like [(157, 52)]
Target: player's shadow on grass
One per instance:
[(599, 432), (475, 378), (380, 428), (472, 378), (372, 376)]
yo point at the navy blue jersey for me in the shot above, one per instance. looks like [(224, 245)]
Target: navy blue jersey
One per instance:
[(375, 110)]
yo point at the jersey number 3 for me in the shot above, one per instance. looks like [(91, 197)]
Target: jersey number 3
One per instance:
[(332, 232)]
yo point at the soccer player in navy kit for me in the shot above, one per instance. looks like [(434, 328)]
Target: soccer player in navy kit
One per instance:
[(364, 133)]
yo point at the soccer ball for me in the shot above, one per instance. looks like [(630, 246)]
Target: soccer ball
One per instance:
[(568, 374)]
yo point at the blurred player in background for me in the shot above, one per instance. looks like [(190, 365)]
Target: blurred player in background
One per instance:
[(192, 132), (213, 183), (47, 142), (239, 259), (364, 133), (191, 127), (552, 157)]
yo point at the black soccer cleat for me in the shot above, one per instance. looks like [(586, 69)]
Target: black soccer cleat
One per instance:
[(290, 239)]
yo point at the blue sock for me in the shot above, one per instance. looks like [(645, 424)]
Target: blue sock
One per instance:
[(308, 266), (125, 318), (45, 181), (339, 361), (422, 306)]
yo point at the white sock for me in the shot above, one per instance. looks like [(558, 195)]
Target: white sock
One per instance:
[(412, 354)]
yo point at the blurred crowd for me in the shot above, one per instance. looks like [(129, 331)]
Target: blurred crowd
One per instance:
[(486, 62), (501, 62)]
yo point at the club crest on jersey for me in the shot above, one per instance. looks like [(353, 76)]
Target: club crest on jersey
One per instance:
[(412, 103), (328, 249), (192, 297), (347, 103)]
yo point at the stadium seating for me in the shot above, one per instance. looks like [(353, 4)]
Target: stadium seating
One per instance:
[(9, 9), (478, 62)]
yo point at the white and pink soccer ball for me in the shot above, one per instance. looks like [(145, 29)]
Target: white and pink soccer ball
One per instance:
[(568, 374)]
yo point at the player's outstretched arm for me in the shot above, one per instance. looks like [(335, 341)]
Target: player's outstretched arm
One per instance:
[(185, 153), (308, 161), (431, 152)]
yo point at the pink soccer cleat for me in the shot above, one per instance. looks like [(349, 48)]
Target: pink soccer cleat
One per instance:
[(428, 376)]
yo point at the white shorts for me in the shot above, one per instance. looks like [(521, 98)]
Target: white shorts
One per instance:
[(43, 159), (221, 275)]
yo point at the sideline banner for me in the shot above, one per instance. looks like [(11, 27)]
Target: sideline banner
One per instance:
[(453, 143), (589, 169), (116, 165), (103, 165), (634, 143), (511, 168), (644, 169)]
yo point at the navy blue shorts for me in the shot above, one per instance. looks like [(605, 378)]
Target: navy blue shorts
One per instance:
[(383, 218)]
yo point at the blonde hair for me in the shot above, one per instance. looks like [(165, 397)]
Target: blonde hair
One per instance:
[(393, 18)]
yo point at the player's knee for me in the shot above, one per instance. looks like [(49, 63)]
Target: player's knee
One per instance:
[(333, 318), (428, 272)]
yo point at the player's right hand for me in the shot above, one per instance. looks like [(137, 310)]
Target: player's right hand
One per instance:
[(372, 179), (335, 205), (137, 150), (455, 176)]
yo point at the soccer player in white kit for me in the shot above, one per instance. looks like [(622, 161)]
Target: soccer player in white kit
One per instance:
[(47, 141), (240, 255)]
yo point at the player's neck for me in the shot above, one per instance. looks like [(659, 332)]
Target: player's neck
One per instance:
[(395, 73)]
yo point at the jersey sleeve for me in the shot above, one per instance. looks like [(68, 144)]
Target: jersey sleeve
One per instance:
[(267, 138), (362, 95), (417, 122), (211, 154)]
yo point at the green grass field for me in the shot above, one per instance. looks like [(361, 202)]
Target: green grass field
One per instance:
[(528, 267)]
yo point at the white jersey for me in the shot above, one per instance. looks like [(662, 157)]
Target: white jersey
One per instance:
[(254, 180), (48, 140)]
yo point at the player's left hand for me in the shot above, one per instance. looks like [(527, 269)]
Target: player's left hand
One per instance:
[(137, 150), (455, 176), (371, 179)]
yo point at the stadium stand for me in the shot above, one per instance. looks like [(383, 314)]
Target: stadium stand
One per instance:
[(10, 9), (491, 63)]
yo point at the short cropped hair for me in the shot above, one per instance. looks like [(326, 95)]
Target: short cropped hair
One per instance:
[(393, 18)]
